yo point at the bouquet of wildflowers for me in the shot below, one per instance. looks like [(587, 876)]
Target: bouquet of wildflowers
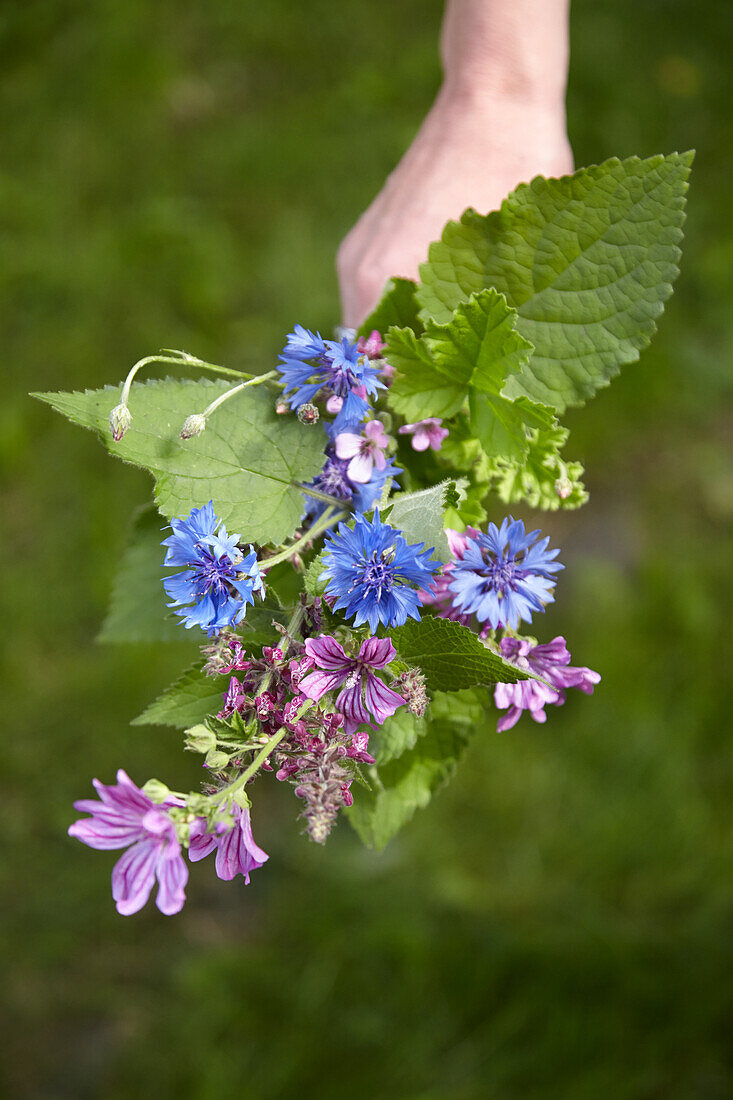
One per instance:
[(334, 530)]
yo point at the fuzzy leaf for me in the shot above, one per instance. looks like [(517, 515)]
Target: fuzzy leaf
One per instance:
[(419, 389), (397, 306), (419, 516), (312, 583), (188, 701), (137, 610), (244, 461), (451, 656), (396, 735), (588, 262)]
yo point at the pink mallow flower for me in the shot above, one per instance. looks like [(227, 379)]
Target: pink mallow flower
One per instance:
[(439, 594), (236, 850), (351, 674), (126, 818), (551, 661), (426, 433), (365, 451)]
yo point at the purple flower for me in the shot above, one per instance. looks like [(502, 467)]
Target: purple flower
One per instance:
[(334, 479), (352, 674), (364, 451), (126, 818), (551, 661), (426, 433), (372, 346), (439, 592), (236, 851), (504, 575)]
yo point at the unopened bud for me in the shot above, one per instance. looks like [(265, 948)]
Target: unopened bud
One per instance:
[(200, 739), (216, 760), (156, 791), (281, 407), (308, 414), (119, 421), (334, 404), (193, 425), (563, 487)]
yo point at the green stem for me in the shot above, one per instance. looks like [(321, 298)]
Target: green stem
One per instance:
[(312, 533), (335, 502), (256, 381), (180, 360)]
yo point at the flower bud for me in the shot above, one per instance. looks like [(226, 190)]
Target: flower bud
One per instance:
[(281, 407), (119, 421), (308, 414), (216, 760), (200, 739), (563, 487), (156, 791), (193, 425)]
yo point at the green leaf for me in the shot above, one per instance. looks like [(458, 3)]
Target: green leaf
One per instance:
[(419, 516), (588, 262), (396, 735), (244, 461), (137, 610), (188, 701), (418, 389), (536, 479), (479, 346), (312, 583), (398, 306), (451, 656), (502, 426), (408, 782)]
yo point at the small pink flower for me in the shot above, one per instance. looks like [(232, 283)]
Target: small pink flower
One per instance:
[(426, 433), (352, 674), (372, 346), (365, 451)]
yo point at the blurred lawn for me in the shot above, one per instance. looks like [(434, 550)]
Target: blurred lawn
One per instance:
[(558, 923)]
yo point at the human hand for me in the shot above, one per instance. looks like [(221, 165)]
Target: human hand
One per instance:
[(497, 121)]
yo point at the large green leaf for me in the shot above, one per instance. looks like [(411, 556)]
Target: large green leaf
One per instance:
[(588, 262), (187, 701), (137, 610), (406, 783), (451, 656), (397, 306), (244, 461), (540, 477)]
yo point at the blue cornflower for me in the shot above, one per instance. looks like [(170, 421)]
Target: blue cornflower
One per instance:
[(218, 581), (334, 480), (309, 364), (371, 570), (504, 575)]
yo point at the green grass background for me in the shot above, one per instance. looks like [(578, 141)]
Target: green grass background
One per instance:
[(558, 922)]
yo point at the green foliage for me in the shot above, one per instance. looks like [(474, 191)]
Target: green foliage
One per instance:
[(245, 460), (536, 479), (588, 262), (419, 516), (431, 748), (396, 735), (450, 655), (312, 583), (188, 701), (419, 388), (137, 609), (398, 307)]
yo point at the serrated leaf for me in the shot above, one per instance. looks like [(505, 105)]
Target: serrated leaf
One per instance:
[(451, 656), (312, 583), (418, 389), (398, 306), (188, 701), (535, 479), (137, 610), (501, 426), (479, 346), (588, 262), (407, 783), (244, 461), (419, 516), (396, 735)]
